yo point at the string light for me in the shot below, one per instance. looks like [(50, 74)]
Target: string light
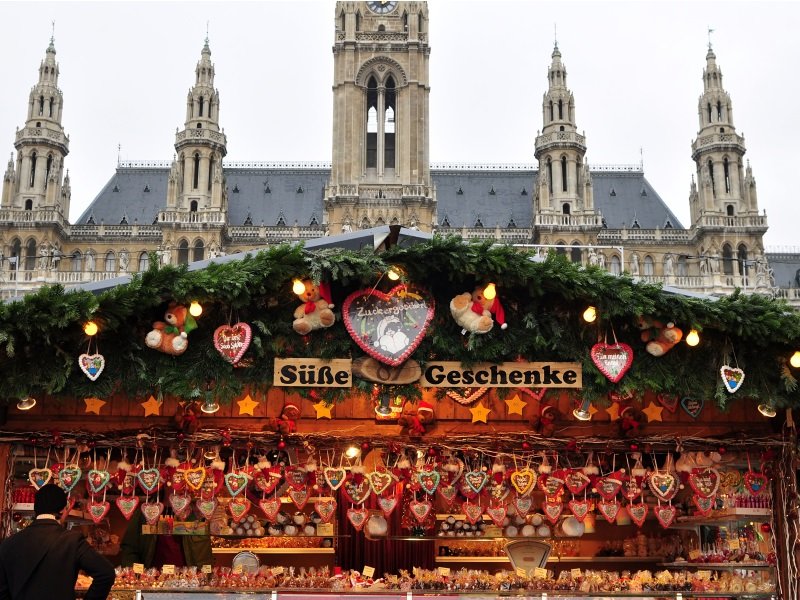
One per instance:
[(590, 314), (490, 291), (26, 403), (394, 273), (298, 287), (582, 412), (210, 406), (352, 452), (693, 338), (795, 360), (195, 308), (90, 328), (767, 409)]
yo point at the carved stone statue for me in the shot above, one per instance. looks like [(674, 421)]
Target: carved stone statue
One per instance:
[(123, 261), (594, 259), (669, 265), (90, 262), (635, 265)]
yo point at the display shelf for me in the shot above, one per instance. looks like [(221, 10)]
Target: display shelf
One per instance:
[(283, 537), (553, 559), (760, 515), (274, 550), (75, 515), (726, 565)]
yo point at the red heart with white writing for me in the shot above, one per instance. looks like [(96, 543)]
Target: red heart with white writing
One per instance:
[(387, 504), (576, 481), (666, 514), (151, 512), (357, 517), (357, 492), (267, 479), (637, 512), (669, 401), (552, 510), (448, 493), (704, 481), (296, 477), (663, 485), (270, 507), (420, 510), (472, 512), (326, 509), (608, 487), (475, 480), (612, 360), (631, 489), (149, 480), (550, 485), (704, 504), (609, 510), (206, 507), (298, 497), (579, 508), (98, 510), (127, 505), (232, 341)]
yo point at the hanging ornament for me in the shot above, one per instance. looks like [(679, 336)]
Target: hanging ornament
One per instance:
[(98, 510), (334, 477), (239, 507), (296, 477), (579, 508), (609, 510), (732, 377), (692, 406), (271, 507), (612, 360), (127, 505), (96, 480), (704, 504), (298, 497), (357, 517), (194, 478), (637, 513), (576, 481), (429, 480), (92, 365), (93, 405), (668, 401), (420, 510), (356, 489), (39, 477), (523, 480), (232, 341), (326, 509), (522, 504), (552, 510), (387, 504), (171, 336), (149, 480), (181, 505), (704, 481), (666, 513), (206, 507), (470, 395), (152, 511), (497, 514), (472, 512), (68, 477), (447, 493), (476, 480)]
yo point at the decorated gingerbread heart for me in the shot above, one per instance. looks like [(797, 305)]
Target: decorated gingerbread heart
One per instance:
[(732, 378), (356, 490), (127, 505), (232, 341), (235, 483), (98, 510), (92, 365), (612, 360), (194, 478), (298, 497), (576, 481), (665, 513), (39, 477), (579, 508), (334, 477), (609, 510), (429, 481), (523, 481), (181, 505), (755, 482), (552, 510), (704, 481), (68, 477), (637, 513), (270, 507), (266, 480), (206, 507), (357, 517), (664, 485), (239, 507), (523, 505), (692, 406), (472, 512), (96, 480), (609, 486), (152, 511), (704, 504), (326, 509), (380, 481), (476, 480), (420, 510), (447, 493), (149, 480), (387, 504), (497, 514)]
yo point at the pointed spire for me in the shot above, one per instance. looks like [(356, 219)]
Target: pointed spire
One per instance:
[(52, 47)]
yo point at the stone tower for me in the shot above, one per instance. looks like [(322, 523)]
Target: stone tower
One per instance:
[(380, 172)]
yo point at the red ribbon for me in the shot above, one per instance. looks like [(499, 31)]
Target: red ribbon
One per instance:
[(477, 308), (310, 307)]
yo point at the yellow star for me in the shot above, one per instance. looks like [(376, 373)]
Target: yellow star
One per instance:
[(93, 405), (151, 407), (480, 413), (323, 410), (613, 411), (246, 406), (653, 412), (515, 405)]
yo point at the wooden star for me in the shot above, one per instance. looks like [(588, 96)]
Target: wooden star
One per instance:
[(515, 405), (653, 412), (151, 407), (247, 405), (93, 405), (323, 410), (613, 411), (480, 413), (592, 411)]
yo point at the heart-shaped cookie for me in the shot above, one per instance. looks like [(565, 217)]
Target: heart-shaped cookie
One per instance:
[(704, 504), (755, 482), (608, 487), (356, 489), (579, 508), (149, 480), (669, 401), (296, 477), (68, 477), (206, 507), (475, 480), (497, 514), (92, 365), (388, 326), (692, 406), (298, 497), (267, 479), (194, 478), (472, 512), (498, 490), (387, 504), (420, 510), (96, 480), (447, 493), (39, 477), (326, 509), (127, 505), (357, 517), (609, 510), (704, 481), (334, 477), (380, 481), (523, 481), (631, 488), (429, 481), (552, 510), (98, 510), (576, 481), (637, 512), (235, 483), (550, 484), (732, 377), (523, 505), (151, 511), (239, 507), (181, 505), (270, 507), (665, 513), (664, 485), (612, 360), (232, 341)]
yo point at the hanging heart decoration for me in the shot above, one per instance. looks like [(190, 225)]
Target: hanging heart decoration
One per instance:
[(692, 406), (149, 480), (357, 517), (68, 477), (152, 511), (178, 479), (637, 512), (552, 510), (388, 326), (92, 365), (239, 507), (498, 490), (631, 489), (472, 512), (356, 492), (429, 481), (296, 477), (732, 377), (379, 481), (664, 485), (576, 481), (704, 504), (206, 507), (181, 505), (334, 477), (609, 486), (497, 514), (609, 510), (326, 509), (755, 482), (665, 513), (523, 480), (420, 510), (270, 507), (387, 504), (668, 401), (447, 493), (39, 477), (523, 505), (579, 508), (550, 484), (704, 481), (98, 510), (475, 480), (232, 341), (298, 497), (96, 480), (127, 505), (471, 395), (612, 360), (194, 478), (267, 479), (235, 483)]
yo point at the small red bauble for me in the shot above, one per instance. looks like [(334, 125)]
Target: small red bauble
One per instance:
[(365, 446), (281, 445), (765, 528), (432, 451), (526, 445)]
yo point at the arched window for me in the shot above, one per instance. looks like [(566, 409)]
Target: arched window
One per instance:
[(711, 177), (390, 98), (193, 206), (41, 105), (51, 107), (719, 110), (28, 204), (30, 255), (709, 112), (77, 262), (561, 247), (210, 172), (576, 254), (563, 173), (196, 175), (111, 262), (565, 209), (372, 123), (741, 258), (199, 251), (729, 210), (649, 266), (34, 157), (210, 105), (727, 259), (144, 261), (183, 252), (16, 252), (616, 266), (552, 117), (727, 176), (683, 267), (549, 175), (365, 223)]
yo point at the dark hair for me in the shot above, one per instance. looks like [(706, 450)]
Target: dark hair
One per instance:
[(50, 499)]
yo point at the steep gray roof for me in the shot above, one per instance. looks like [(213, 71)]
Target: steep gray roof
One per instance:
[(495, 197), (786, 268)]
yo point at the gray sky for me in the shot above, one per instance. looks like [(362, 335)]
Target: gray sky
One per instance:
[(634, 67)]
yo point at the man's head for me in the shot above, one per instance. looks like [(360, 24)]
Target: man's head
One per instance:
[(50, 499)]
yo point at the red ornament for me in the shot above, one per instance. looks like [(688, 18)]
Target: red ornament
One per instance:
[(250, 445), (281, 444), (634, 447), (765, 528), (526, 445), (180, 437), (365, 446), (432, 452), (722, 449)]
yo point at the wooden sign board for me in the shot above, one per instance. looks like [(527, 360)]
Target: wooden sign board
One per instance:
[(303, 372), (510, 374)]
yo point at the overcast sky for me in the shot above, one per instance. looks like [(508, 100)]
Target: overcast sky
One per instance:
[(634, 67)]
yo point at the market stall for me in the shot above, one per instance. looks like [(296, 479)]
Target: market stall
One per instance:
[(334, 420)]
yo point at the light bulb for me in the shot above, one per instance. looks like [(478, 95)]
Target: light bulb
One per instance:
[(212, 453), (209, 407), (795, 360), (90, 328), (768, 410), (352, 452), (590, 314), (26, 403), (394, 273), (693, 338), (298, 287), (490, 291), (195, 308), (582, 412)]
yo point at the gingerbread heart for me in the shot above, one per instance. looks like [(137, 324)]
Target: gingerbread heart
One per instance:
[(608, 487), (447, 493), (149, 480), (476, 480), (356, 491), (498, 490), (576, 481), (326, 509), (550, 485), (472, 512), (668, 401), (523, 505), (127, 505), (704, 504), (357, 517), (552, 510), (579, 508), (692, 406), (388, 326), (420, 510), (92, 365), (637, 513), (631, 489), (39, 477), (206, 507), (704, 481), (178, 479), (523, 480), (612, 360), (429, 481), (270, 507), (298, 497), (609, 510), (235, 483), (664, 485), (334, 477), (194, 478), (497, 514), (96, 480), (98, 510), (152, 511), (68, 477), (387, 504), (732, 378), (232, 341), (296, 477), (665, 514), (181, 505), (379, 481), (755, 482), (267, 479), (239, 507)]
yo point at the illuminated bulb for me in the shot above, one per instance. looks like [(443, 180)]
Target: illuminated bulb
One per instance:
[(393, 274), (582, 412), (298, 287), (90, 328), (490, 291), (195, 309), (767, 410), (212, 453), (26, 403), (590, 314), (209, 407), (693, 338), (352, 452), (795, 360)]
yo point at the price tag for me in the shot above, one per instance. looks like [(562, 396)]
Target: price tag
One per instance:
[(205, 569), (694, 554), (368, 571), (540, 573), (168, 569), (277, 570), (704, 575), (324, 529), (237, 569), (444, 571), (521, 572), (576, 573), (138, 568), (734, 544)]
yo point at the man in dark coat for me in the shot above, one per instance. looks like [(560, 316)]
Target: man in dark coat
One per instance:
[(42, 561)]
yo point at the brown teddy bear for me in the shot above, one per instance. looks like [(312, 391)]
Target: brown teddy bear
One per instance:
[(659, 338), (474, 311), (171, 336), (187, 417), (315, 312), (544, 420), (419, 422), (287, 422)]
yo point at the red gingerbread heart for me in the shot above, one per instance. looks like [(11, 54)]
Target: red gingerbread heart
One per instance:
[(612, 360), (232, 341)]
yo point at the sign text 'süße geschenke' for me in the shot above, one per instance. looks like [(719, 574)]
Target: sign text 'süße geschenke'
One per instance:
[(510, 374)]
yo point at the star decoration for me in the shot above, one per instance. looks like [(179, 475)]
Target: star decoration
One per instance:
[(93, 405), (151, 407), (515, 405), (247, 405), (480, 413), (592, 411), (613, 411), (323, 410), (653, 412)]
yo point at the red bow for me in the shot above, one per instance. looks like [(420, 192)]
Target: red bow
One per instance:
[(477, 308), (628, 423), (310, 307)]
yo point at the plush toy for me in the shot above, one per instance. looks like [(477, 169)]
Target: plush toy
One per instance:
[(171, 336), (315, 312), (187, 417), (421, 421), (544, 420), (474, 311), (659, 338), (631, 422), (287, 422)]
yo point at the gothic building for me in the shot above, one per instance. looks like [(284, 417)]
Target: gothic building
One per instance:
[(199, 206)]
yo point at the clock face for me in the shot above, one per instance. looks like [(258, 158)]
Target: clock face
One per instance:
[(381, 7)]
